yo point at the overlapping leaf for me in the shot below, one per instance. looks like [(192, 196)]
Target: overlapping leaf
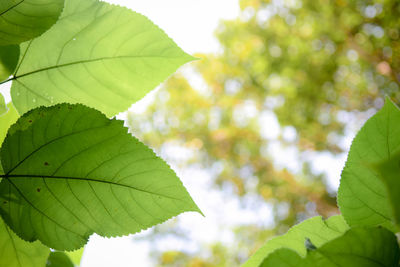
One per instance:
[(363, 197), (70, 171), (98, 54), (15, 252), (316, 229), (75, 256), (3, 105), (6, 120), (9, 56), (59, 259), (358, 247), (22, 20)]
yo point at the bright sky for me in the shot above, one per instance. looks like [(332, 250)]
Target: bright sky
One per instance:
[(191, 23)]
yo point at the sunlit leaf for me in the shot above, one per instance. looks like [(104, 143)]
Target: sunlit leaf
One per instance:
[(3, 105), (75, 256), (59, 259), (16, 252), (8, 60), (358, 247), (6, 120), (363, 197), (316, 229), (390, 174), (22, 20), (70, 171), (101, 55)]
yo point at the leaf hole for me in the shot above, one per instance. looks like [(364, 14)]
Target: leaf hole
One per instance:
[(38, 189), (46, 163)]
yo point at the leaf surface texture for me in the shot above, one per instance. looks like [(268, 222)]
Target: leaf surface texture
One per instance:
[(318, 230), (70, 172), (358, 247), (22, 20), (363, 196), (15, 252), (101, 55)]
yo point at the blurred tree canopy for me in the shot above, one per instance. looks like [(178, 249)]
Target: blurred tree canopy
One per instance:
[(308, 64)]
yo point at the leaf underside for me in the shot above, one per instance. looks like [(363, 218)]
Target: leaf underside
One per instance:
[(22, 20), (390, 175), (15, 252), (358, 247), (363, 196), (70, 171), (104, 56), (316, 229)]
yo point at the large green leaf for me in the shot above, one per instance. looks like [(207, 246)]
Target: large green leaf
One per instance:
[(101, 55), (363, 197), (390, 174), (8, 60), (358, 247), (316, 229), (59, 259), (22, 20), (70, 171), (15, 252)]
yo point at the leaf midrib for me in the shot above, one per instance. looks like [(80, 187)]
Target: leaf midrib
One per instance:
[(81, 62), (8, 176)]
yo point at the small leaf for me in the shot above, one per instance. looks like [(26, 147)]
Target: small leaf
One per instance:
[(6, 120), (358, 247), (16, 252), (3, 105), (22, 20), (363, 197), (70, 172), (75, 256), (59, 259), (317, 230), (100, 55), (9, 56)]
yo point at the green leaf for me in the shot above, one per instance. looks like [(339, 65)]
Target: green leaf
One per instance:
[(101, 55), (22, 20), (363, 198), (59, 259), (316, 229), (75, 256), (358, 247), (3, 105), (9, 56), (6, 120), (16, 252), (390, 174), (70, 171)]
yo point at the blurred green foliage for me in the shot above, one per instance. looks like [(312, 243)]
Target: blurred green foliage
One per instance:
[(313, 65)]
